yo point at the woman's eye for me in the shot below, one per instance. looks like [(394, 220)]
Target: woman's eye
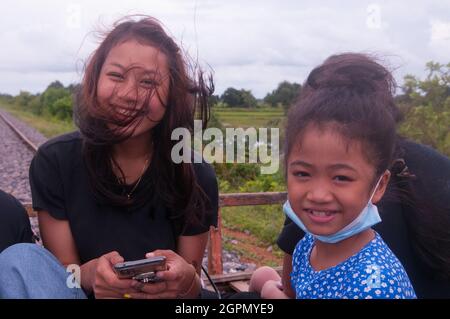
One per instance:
[(149, 82), (116, 76)]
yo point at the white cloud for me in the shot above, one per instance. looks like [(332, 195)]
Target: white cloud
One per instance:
[(252, 44), (440, 39)]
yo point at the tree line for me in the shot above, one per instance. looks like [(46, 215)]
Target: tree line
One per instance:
[(57, 101), (425, 103)]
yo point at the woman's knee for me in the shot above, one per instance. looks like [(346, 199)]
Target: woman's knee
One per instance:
[(24, 255), (17, 252)]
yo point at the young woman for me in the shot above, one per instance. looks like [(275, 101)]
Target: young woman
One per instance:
[(111, 192)]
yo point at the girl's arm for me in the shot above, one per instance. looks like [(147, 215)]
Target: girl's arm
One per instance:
[(286, 276)]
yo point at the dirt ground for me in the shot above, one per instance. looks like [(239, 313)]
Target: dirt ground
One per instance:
[(250, 250)]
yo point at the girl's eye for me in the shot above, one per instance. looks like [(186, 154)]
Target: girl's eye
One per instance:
[(301, 174), (342, 178)]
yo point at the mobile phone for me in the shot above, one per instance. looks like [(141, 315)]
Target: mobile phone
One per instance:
[(143, 270)]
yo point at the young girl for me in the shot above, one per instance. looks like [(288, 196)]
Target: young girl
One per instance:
[(111, 192), (339, 146)]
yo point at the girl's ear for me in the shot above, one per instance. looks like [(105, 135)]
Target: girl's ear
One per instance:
[(381, 187)]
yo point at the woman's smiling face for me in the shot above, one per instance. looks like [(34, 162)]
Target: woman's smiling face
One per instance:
[(134, 83), (329, 179)]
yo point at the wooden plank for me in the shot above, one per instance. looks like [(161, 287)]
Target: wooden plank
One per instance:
[(239, 286), (215, 265), (251, 199), (227, 200), (237, 276), (30, 211)]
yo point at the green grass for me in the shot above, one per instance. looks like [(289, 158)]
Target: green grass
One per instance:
[(263, 222), (47, 126), (237, 117)]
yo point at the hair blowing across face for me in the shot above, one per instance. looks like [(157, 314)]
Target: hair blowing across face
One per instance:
[(187, 96)]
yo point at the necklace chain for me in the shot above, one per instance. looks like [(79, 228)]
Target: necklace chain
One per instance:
[(137, 182)]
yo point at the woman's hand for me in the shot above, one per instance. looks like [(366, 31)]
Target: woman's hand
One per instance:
[(180, 280), (273, 289), (106, 283)]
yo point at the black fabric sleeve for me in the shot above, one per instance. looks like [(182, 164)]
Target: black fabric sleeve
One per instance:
[(433, 173), (25, 234), (47, 189), (290, 235), (206, 178), (14, 222)]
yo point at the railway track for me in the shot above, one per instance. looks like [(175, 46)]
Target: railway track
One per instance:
[(24, 139), (16, 153)]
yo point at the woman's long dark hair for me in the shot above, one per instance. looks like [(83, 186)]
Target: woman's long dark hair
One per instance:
[(173, 184), (356, 93)]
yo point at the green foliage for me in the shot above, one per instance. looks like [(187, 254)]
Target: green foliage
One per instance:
[(23, 99), (238, 98), (428, 126), (62, 108), (55, 102), (236, 174), (426, 106), (49, 99), (284, 95), (6, 98), (56, 85), (213, 100), (243, 117), (264, 222)]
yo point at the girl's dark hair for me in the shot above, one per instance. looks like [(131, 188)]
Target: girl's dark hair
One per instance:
[(355, 94), (174, 184)]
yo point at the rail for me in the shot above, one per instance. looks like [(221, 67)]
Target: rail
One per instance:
[(27, 142)]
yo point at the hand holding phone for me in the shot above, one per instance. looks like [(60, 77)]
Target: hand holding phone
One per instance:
[(143, 270)]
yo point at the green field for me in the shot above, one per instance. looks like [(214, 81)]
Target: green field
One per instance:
[(240, 117)]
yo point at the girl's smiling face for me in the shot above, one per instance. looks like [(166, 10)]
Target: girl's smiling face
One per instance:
[(330, 179), (134, 83)]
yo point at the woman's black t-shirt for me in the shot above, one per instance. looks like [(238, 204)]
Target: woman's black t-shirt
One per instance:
[(59, 184), (433, 179), (14, 222)]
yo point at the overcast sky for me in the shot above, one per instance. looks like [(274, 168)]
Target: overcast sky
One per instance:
[(249, 44)]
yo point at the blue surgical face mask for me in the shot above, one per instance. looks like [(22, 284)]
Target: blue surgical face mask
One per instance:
[(367, 218)]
